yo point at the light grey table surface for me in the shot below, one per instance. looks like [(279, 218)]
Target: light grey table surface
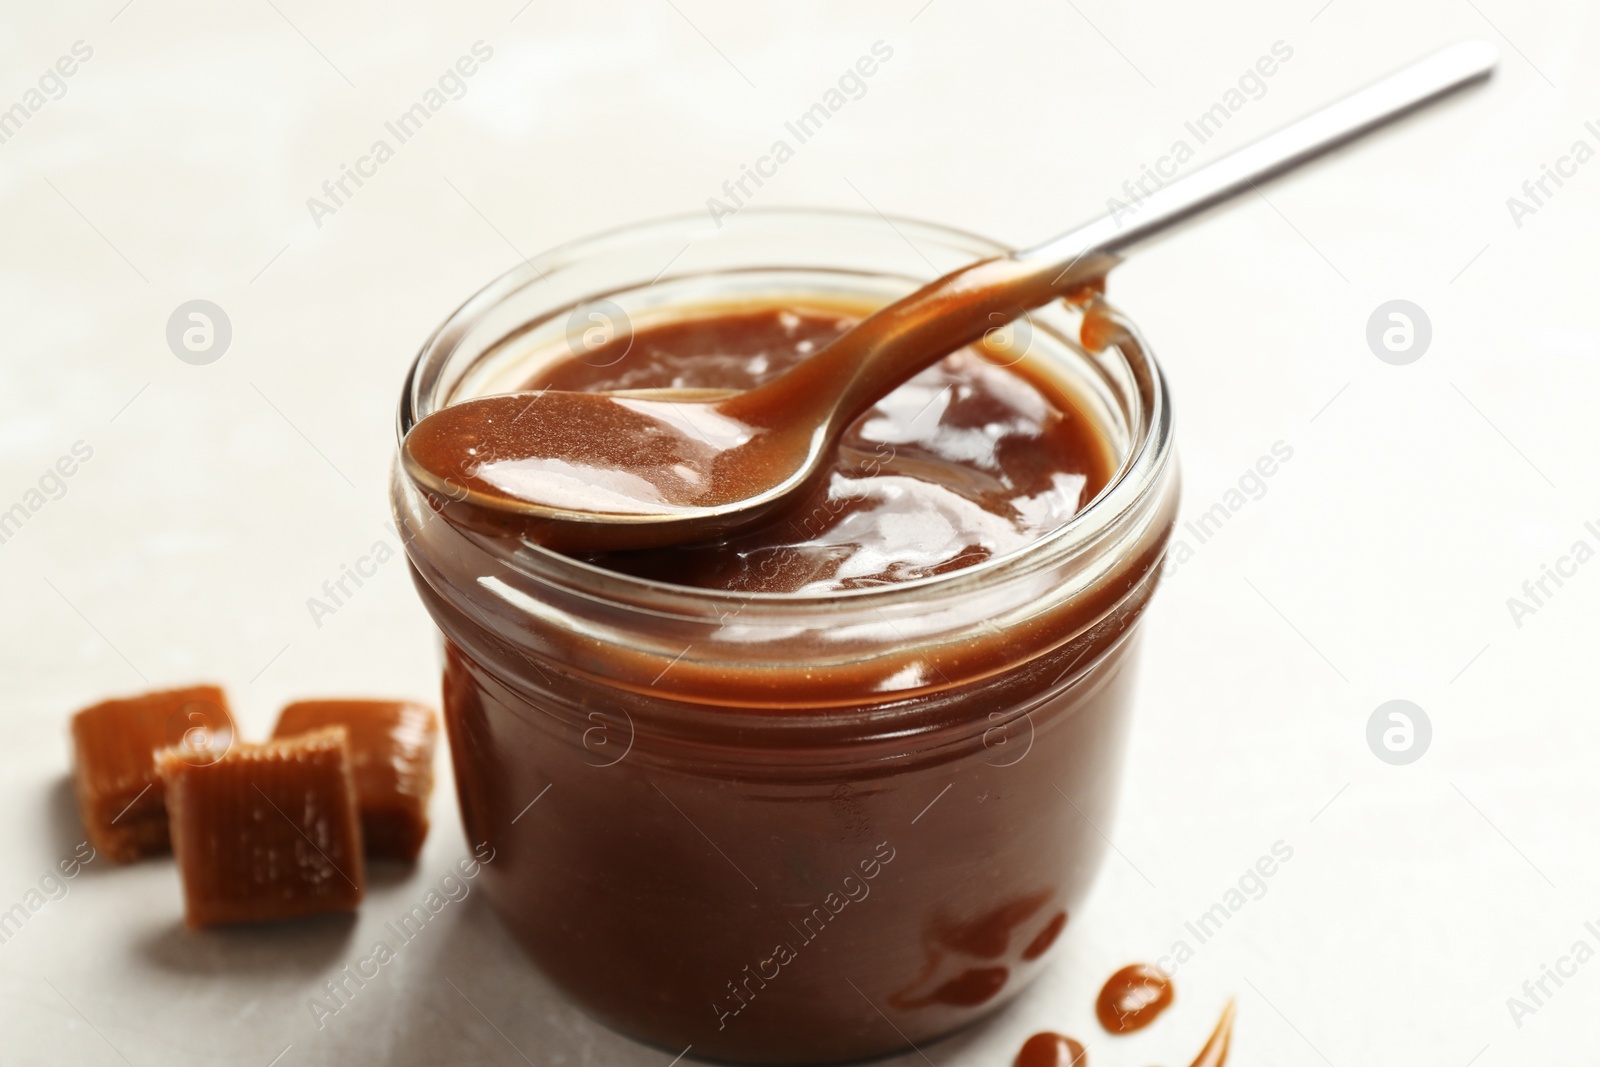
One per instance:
[(176, 163)]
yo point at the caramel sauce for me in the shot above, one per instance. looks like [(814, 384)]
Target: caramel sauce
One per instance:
[(575, 453), (1132, 998), (1049, 1049), (967, 460), (1215, 1052), (982, 454)]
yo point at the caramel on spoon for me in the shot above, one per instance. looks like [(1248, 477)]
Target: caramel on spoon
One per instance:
[(606, 471)]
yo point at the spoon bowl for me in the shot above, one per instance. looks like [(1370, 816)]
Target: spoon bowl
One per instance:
[(610, 471)]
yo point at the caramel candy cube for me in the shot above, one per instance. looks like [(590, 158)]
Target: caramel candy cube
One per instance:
[(114, 762), (391, 753), (267, 832)]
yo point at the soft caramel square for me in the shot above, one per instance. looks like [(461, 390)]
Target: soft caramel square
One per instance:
[(391, 753), (268, 831), (114, 765)]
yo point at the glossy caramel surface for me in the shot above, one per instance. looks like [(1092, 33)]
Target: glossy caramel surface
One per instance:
[(1132, 998), (568, 467), (969, 459), (1048, 1049)]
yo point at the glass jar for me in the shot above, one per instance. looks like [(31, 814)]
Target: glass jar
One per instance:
[(785, 828)]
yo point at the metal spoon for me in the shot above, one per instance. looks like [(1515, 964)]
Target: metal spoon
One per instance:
[(602, 471)]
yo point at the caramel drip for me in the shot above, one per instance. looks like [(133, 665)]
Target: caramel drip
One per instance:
[(1215, 1052)]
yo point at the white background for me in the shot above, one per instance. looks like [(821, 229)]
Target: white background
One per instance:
[(1376, 566)]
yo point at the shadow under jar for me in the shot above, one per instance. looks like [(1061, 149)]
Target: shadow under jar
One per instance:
[(789, 826)]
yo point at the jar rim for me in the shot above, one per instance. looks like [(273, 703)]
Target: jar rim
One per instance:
[(1135, 482)]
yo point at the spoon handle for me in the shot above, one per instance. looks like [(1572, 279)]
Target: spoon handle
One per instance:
[(1403, 91)]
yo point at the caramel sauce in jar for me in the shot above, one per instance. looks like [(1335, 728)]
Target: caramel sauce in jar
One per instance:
[(828, 786)]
